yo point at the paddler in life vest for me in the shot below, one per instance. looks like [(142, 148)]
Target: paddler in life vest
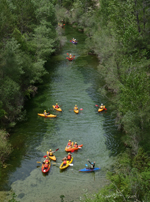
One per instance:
[(75, 107), (56, 106), (76, 145), (102, 106), (46, 161), (69, 143), (70, 56), (69, 157), (92, 166), (45, 113), (51, 152), (64, 161)]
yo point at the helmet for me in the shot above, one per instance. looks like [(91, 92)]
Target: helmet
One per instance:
[(76, 105), (101, 103), (68, 153), (69, 140), (44, 110), (75, 142), (56, 103), (46, 157), (50, 150)]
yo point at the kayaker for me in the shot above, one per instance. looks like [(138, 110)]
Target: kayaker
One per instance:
[(76, 145), (64, 161), (56, 106), (92, 164), (45, 113), (69, 143), (69, 156), (51, 152), (46, 160), (102, 106), (70, 56), (75, 107), (46, 165)]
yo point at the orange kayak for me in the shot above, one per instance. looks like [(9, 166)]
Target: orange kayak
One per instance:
[(69, 149), (51, 157), (45, 170)]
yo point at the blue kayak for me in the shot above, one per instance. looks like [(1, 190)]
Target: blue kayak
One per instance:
[(89, 169)]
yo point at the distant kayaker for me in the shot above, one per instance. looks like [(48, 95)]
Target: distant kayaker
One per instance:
[(92, 164), (102, 106), (45, 113), (69, 143), (76, 145), (51, 152), (56, 106), (70, 56), (75, 107)]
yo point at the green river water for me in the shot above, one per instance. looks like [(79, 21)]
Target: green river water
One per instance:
[(67, 83)]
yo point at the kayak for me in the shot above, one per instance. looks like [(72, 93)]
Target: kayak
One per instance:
[(100, 110), (58, 109), (70, 59), (47, 169), (62, 167), (89, 169), (51, 157), (47, 116), (74, 42), (76, 111), (69, 149)]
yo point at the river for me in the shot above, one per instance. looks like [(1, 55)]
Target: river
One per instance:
[(68, 83)]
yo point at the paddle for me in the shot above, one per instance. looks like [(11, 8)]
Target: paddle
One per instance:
[(54, 151), (39, 162)]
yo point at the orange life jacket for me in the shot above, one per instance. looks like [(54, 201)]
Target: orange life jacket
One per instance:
[(64, 162), (69, 157), (76, 145), (69, 143)]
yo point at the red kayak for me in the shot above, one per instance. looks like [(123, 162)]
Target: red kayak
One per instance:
[(45, 167), (69, 149), (70, 59)]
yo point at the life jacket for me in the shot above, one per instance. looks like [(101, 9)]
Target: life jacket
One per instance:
[(50, 153), (69, 157), (56, 106), (75, 108), (69, 143), (76, 145), (64, 162)]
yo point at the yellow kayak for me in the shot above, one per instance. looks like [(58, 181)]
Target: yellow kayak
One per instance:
[(51, 157), (76, 111), (62, 167), (49, 115), (58, 109)]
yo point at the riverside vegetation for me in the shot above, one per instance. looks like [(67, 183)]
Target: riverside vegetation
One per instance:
[(118, 33)]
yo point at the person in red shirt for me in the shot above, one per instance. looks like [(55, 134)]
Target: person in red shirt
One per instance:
[(64, 161), (69, 143), (56, 106), (76, 145), (69, 157)]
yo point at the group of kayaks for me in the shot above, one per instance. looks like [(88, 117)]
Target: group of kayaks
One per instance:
[(76, 111), (46, 165)]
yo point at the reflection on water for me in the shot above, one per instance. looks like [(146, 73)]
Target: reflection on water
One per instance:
[(68, 83)]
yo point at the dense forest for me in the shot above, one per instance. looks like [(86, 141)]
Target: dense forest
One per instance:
[(118, 33)]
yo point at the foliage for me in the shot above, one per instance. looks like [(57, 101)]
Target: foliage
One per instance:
[(5, 147), (13, 198)]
